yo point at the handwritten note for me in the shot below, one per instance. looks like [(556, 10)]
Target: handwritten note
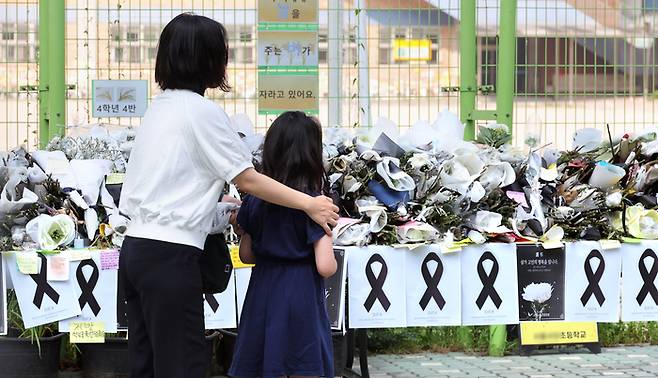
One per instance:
[(28, 262), (110, 260), (57, 268), (87, 332), (114, 178), (78, 254)]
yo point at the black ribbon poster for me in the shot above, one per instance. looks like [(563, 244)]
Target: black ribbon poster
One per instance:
[(376, 283), (43, 287), (593, 278), (488, 279), (212, 302), (541, 275), (648, 277), (87, 286), (432, 281)]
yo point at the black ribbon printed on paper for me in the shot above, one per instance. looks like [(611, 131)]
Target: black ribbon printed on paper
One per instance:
[(376, 283), (87, 286), (488, 280), (43, 287), (593, 278), (648, 277), (432, 282), (212, 302)]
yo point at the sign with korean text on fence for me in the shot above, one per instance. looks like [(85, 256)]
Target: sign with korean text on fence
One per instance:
[(278, 48), (288, 56), (119, 98), (293, 11), (280, 92)]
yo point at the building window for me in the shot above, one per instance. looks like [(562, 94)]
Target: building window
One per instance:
[(23, 54), (322, 37), (246, 37), (322, 56), (10, 53), (132, 36), (135, 54), (118, 54), (152, 53), (247, 55), (384, 55), (7, 36)]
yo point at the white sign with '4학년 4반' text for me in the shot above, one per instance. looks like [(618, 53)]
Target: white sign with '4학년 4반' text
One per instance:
[(119, 98)]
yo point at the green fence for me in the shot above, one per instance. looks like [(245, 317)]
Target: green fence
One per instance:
[(578, 63)]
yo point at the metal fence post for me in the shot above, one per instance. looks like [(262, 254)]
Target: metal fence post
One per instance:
[(506, 65), (334, 61), (56, 65), (43, 74), (467, 66), (52, 88)]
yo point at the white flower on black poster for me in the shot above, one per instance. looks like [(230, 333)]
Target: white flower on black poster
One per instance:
[(538, 295)]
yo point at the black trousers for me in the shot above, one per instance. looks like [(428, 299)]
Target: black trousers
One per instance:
[(162, 283)]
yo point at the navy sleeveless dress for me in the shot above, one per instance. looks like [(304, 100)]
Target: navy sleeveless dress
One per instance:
[(284, 327)]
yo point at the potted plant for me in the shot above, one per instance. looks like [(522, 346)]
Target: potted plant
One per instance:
[(32, 352)]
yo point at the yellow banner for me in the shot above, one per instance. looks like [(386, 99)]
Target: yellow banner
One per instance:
[(412, 49), (548, 333), (235, 258)]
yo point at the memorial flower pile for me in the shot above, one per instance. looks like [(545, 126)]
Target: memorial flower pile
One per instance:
[(58, 197), (427, 185), (424, 185)]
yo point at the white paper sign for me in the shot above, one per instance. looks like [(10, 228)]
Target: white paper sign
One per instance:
[(639, 299), (376, 287), (219, 310), (119, 98), (490, 286), (96, 293), (3, 298), (432, 284), (592, 282), (334, 287), (242, 277), (41, 301)]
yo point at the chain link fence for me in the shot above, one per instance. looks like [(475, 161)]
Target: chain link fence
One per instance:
[(580, 63)]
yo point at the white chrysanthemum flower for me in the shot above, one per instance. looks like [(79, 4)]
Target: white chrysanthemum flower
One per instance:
[(537, 292)]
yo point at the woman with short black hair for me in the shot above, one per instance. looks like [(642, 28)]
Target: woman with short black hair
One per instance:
[(184, 152)]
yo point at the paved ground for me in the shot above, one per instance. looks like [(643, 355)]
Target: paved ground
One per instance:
[(641, 361)]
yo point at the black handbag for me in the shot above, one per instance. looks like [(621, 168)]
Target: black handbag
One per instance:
[(216, 265)]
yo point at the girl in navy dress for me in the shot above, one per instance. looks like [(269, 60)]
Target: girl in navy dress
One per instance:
[(284, 328)]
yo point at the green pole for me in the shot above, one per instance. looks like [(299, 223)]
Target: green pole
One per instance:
[(468, 90), (505, 72), (468, 67), (506, 66), (44, 102), (56, 65)]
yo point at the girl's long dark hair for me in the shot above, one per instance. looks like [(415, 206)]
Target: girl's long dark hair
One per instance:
[(292, 152)]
